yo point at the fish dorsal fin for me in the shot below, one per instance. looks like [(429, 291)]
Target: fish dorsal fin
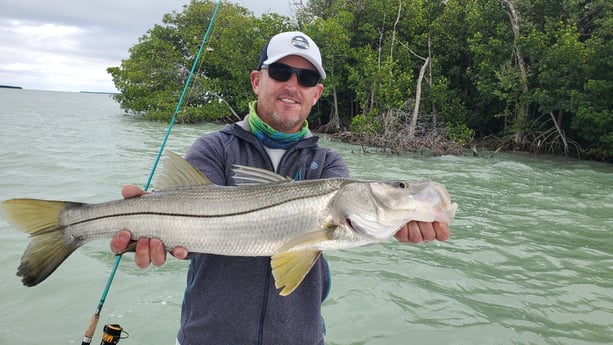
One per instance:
[(178, 172), (289, 267), (244, 175)]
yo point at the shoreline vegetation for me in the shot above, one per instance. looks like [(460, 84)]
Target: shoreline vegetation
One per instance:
[(435, 140), (436, 143)]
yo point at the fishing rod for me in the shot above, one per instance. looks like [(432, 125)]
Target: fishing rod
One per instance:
[(89, 332)]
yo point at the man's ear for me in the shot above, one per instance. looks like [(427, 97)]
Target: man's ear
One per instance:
[(255, 80), (320, 90)]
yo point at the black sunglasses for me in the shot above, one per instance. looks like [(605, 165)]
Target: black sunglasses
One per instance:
[(282, 72)]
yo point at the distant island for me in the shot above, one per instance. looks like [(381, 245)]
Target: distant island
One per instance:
[(10, 87), (99, 92)]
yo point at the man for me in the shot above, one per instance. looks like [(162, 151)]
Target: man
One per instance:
[(232, 300)]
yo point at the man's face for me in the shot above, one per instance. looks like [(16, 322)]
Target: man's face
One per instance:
[(285, 105)]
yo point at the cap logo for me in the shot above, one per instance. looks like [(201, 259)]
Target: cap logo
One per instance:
[(300, 42)]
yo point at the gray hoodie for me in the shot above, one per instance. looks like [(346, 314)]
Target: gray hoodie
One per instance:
[(233, 300)]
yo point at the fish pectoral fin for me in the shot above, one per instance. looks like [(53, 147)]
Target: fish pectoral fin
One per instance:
[(290, 268), (295, 260), (178, 172)]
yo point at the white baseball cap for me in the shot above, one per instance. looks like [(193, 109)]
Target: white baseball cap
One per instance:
[(292, 43)]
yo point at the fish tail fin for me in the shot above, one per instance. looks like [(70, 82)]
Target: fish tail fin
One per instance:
[(47, 248)]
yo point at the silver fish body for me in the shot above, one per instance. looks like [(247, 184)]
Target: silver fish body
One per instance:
[(237, 221), (291, 221)]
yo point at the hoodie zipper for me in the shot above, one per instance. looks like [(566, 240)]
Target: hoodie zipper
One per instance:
[(264, 308)]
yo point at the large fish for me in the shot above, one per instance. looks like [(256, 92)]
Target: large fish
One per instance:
[(267, 215)]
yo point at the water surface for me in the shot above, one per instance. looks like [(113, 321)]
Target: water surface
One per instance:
[(530, 260)]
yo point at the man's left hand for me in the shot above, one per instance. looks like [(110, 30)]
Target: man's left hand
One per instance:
[(416, 232)]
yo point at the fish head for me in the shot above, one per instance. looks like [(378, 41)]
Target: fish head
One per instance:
[(379, 208)]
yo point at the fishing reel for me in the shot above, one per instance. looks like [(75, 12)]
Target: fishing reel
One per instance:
[(112, 333)]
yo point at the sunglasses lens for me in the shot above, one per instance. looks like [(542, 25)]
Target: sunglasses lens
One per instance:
[(281, 72), (308, 78)]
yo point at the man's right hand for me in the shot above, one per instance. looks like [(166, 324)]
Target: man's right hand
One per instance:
[(148, 250)]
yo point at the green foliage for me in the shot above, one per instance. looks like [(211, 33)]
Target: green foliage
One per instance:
[(373, 52), (366, 125), (592, 102), (459, 133), (334, 43), (151, 80), (447, 102)]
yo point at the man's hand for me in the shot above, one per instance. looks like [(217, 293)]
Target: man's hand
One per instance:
[(148, 250), (416, 232)]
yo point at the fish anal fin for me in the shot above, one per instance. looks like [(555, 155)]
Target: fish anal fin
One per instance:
[(178, 172)]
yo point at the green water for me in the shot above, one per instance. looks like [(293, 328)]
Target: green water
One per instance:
[(530, 260)]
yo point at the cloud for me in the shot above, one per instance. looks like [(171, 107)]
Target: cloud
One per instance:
[(51, 56), (68, 45)]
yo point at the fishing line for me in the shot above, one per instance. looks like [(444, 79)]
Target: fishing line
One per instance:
[(89, 333)]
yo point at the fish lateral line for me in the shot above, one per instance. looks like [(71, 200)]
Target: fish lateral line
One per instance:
[(164, 214), (175, 214)]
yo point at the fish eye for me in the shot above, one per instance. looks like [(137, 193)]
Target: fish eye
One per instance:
[(401, 185)]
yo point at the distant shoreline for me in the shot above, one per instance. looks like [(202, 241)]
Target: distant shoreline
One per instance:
[(14, 87), (99, 92), (10, 87)]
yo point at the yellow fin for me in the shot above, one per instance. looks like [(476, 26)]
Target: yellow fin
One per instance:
[(178, 172), (47, 248), (289, 267)]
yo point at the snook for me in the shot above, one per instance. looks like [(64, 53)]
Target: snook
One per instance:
[(267, 215)]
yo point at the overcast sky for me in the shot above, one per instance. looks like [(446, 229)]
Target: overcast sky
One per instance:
[(67, 45)]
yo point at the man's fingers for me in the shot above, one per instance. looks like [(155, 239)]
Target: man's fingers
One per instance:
[(180, 253), (142, 257), (157, 252), (120, 241), (414, 232), (131, 191), (147, 251), (402, 234), (427, 231), (442, 231)]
